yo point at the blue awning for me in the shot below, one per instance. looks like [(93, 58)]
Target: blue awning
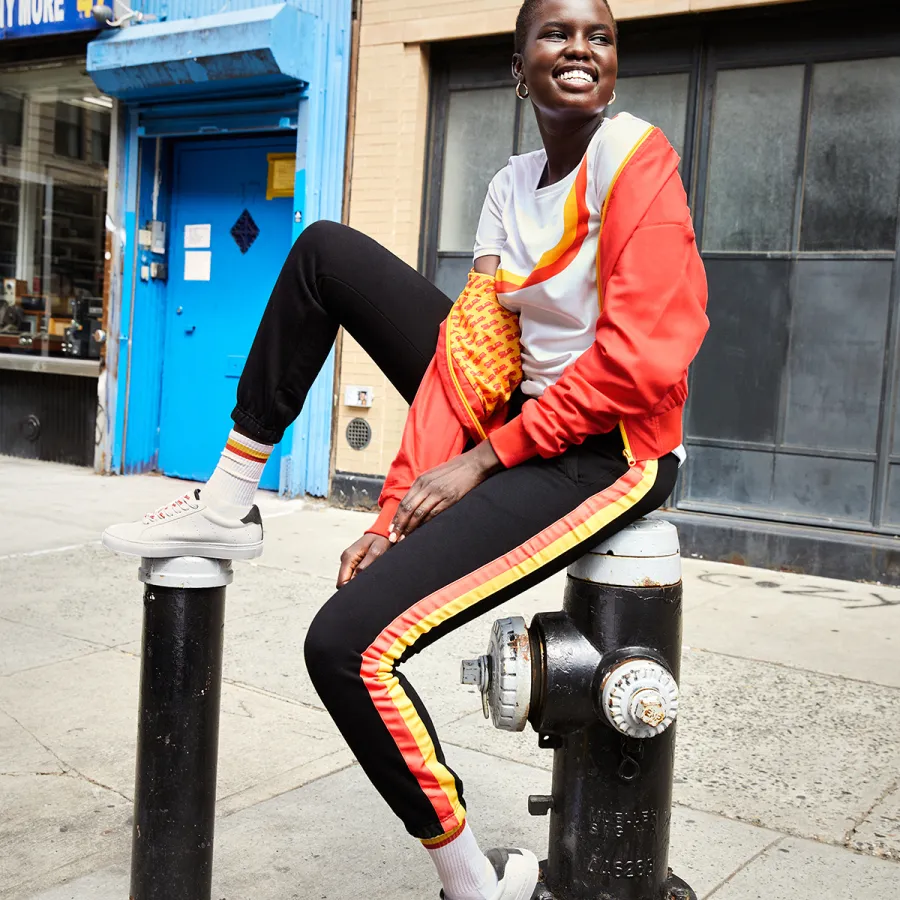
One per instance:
[(260, 49)]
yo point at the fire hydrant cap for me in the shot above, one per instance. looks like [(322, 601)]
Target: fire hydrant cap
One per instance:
[(640, 698)]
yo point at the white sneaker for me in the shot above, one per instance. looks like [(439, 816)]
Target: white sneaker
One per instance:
[(188, 527), (518, 872)]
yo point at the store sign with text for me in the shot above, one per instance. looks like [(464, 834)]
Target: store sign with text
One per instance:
[(33, 18)]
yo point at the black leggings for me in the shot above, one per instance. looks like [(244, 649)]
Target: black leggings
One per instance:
[(511, 532)]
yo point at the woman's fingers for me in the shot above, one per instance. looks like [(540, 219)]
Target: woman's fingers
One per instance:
[(422, 513), (438, 508), (348, 566), (406, 510), (359, 555), (441, 487), (375, 550)]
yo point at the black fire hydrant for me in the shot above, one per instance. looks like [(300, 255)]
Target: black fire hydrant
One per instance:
[(599, 683)]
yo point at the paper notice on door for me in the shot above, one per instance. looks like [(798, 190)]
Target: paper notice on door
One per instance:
[(196, 237), (197, 265)]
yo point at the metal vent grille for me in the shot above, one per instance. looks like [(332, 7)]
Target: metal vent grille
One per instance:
[(359, 434)]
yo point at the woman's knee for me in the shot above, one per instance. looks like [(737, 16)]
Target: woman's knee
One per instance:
[(329, 648), (320, 238)]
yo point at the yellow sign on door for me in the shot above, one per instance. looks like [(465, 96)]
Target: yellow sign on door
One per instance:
[(280, 182)]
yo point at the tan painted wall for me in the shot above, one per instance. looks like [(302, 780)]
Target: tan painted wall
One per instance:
[(388, 160)]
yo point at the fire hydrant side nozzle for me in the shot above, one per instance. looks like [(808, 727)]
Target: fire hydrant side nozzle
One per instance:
[(503, 675)]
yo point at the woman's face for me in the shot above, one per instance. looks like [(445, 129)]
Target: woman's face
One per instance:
[(569, 62)]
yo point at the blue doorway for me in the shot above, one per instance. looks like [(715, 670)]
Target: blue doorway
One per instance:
[(228, 243)]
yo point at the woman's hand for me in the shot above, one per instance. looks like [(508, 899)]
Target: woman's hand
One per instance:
[(361, 555), (441, 487)]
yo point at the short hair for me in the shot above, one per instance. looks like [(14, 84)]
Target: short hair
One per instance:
[(526, 16)]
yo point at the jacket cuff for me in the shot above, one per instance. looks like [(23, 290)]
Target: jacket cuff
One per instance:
[(385, 517), (512, 443)]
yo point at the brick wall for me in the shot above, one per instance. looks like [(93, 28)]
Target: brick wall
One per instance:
[(388, 156), (385, 199)]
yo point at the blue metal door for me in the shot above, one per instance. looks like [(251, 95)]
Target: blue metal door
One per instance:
[(227, 245)]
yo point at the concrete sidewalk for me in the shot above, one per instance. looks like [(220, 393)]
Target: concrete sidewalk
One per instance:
[(788, 739)]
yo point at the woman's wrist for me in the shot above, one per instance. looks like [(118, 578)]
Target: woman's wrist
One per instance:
[(486, 458)]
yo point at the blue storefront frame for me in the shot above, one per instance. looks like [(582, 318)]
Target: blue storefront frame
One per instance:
[(257, 74)]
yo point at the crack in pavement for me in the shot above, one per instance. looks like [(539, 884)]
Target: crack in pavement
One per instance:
[(848, 836), (99, 645), (833, 676), (741, 867), (31, 774), (67, 767)]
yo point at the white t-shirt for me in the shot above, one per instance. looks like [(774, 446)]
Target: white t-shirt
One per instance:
[(547, 240)]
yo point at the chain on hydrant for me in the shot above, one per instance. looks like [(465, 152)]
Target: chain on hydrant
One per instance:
[(599, 683)]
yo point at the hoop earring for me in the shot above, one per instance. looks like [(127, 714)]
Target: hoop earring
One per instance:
[(519, 94), (612, 99)]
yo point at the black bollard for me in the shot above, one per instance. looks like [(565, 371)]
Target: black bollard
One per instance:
[(178, 728), (598, 682)]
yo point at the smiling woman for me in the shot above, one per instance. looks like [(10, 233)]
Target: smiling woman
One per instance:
[(546, 412), (569, 73)]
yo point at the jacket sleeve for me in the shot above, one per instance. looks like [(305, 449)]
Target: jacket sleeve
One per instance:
[(650, 327), (431, 436)]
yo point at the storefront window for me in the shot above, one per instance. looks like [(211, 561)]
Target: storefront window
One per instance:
[(754, 147), (786, 405), (661, 100), (54, 152), (479, 143), (853, 168)]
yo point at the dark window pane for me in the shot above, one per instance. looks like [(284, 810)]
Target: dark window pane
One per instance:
[(661, 100), (100, 125), (836, 359), (736, 379), (67, 131), (9, 226), (813, 486), (853, 162), (479, 144), (78, 238), (892, 512), (728, 477), (780, 483), (893, 416), (753, 159), (451, 274), (11, 120)]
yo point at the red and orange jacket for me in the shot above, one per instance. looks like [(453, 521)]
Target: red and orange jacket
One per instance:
[(652, 320)]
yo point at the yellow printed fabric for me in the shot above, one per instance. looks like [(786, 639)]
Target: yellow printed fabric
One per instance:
[(483, 341)]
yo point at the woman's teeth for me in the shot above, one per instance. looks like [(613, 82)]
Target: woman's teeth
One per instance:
[(576, 76)]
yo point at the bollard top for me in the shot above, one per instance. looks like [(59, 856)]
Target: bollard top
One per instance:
[(644, 554), (188, 572)]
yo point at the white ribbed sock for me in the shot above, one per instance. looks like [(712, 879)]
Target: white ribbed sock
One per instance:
[(232, 486), (465, 872)]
